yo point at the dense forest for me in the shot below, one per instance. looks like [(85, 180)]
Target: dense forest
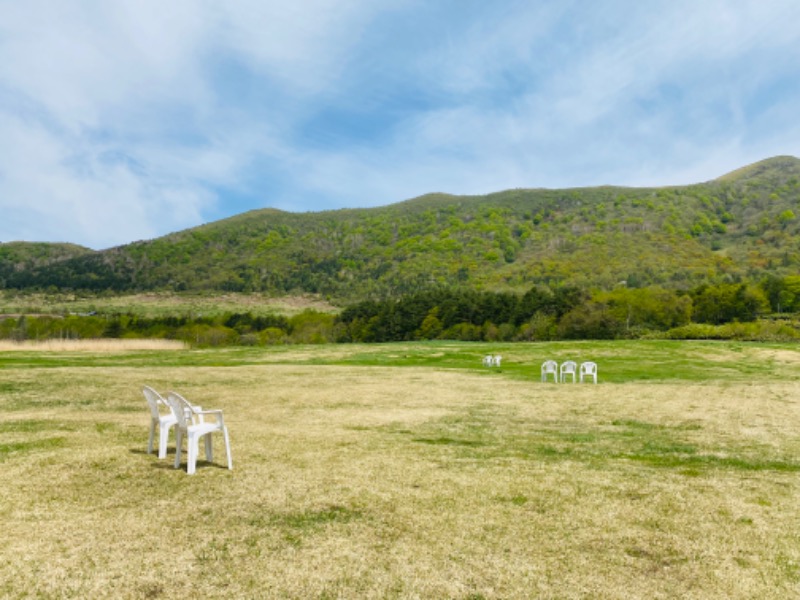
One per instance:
[(722, 311), (741, 227)]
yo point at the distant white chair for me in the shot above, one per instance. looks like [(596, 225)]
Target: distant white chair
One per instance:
[(164, 420), (550, 367), (588, 369), (492, 361), (192, 424), (569, 367)]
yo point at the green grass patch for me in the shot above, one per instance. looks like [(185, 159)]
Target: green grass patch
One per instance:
[(311, 519), (448, 441), (697, 462), (34, 426), (12, 449), (296, 527), (492, 438), (618, 361)]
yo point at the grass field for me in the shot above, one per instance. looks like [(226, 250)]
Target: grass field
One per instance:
[(406, 471), (160, 304)]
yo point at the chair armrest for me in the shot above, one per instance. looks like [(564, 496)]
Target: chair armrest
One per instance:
[(194, 410), (216, 412)]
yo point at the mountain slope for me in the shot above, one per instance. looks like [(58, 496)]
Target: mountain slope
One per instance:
[(741, 225), (21, 257), (771, 171)]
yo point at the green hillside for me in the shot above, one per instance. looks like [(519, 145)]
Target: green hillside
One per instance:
[(17, 258), (741, 226)]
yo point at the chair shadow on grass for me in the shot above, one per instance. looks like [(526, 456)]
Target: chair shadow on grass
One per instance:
[(169, 461)]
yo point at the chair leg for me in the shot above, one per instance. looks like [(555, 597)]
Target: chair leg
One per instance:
[(178, 444), (192, 443), (152, 435), (228, 448), (163, 438), (209, 449)]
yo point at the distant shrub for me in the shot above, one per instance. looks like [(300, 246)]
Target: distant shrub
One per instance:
[(312, 327), (757, 331), (540, 327), (209, 335), (695, 331), (272, 336), (466, 332), (249, 339)]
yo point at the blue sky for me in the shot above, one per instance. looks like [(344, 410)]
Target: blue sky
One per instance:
[(124, 120)]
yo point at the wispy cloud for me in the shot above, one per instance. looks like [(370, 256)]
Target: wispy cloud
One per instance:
[(127, 120)]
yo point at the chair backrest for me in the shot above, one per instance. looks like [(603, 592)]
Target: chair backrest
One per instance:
[(154, 399), (588, 368), (569, 366), (181, 408), (549, 366)]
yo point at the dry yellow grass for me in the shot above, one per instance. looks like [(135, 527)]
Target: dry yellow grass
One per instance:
[(162, 303), (354, 482), (91, 345)]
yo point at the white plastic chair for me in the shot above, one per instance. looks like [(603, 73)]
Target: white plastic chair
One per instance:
[(550, 367), (191, 423), (496, 360), (588, 369), (488, 360), (569, 367), (164, 421)]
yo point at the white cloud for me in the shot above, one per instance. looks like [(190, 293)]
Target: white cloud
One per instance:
[(299, 44), (129, 119), (89, 81), (583, 122), (75, 194), (85, 63), (125, 129)]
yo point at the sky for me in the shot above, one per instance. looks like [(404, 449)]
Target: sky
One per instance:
[(126, 120)]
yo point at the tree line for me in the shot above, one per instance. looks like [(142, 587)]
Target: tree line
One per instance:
[(309, 327), (551, 314), (728, 310)]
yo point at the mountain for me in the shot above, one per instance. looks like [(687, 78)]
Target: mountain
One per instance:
[(740, 226), (23, 257)]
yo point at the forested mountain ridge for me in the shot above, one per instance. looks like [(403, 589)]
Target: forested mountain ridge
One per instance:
[(741, 226), (21, 256)]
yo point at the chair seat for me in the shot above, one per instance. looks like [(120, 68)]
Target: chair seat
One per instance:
[(167, 420), (203, 428)]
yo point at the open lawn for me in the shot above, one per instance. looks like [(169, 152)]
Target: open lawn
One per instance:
[(407, 471)]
